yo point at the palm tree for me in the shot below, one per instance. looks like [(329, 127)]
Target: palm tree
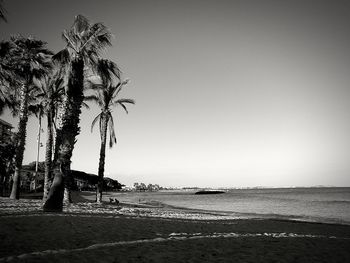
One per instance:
[(106, 96), (38, 110), (84, 42), (27, 60), (49, 99)]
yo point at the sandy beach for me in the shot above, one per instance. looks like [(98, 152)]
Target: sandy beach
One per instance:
[(87, 232)]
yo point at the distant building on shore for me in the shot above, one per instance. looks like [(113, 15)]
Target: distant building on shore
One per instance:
[(142, 187), (81, 181)]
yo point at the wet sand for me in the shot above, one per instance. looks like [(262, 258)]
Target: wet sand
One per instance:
[(87, 232)]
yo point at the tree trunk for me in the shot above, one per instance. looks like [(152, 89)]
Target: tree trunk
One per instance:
[(65, 137), (101, 165), (2, 180), (65, 106), (21, 140), (5, 185), (48, 153), (59, 125), (5, 176)]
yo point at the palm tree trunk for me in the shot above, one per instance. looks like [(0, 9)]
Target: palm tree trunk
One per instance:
[(101, 165), (2, 179), (65, 138), (21, 140), (59, 135), (61, 112), (48, 153)]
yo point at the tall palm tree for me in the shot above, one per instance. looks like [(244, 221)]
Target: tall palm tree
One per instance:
[(84, 42), (38, 110), (28, 59), (106, 96), (49, 97)]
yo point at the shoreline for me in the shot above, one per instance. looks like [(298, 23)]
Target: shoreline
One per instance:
[(87, 232), (242, 215), (154, 209)]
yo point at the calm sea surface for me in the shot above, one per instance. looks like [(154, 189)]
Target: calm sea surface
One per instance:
[(329, 205)]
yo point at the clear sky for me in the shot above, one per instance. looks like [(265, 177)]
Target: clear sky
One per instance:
[(228, 93)]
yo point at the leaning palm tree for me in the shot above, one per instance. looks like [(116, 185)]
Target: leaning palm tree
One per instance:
[(106, 96), (27, 59), (84, 42)]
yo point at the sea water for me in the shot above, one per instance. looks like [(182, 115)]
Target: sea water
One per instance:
[(327, 205)]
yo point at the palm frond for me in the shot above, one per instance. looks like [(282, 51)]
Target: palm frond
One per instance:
[(105, 38), (107, 70), (85, 105), (104, 74), (8, 99), (94, 121), (81, 24), (97, 37), (131, 101), (120, 86), (36, 109), (24, 61), (91, 98), (92, 85), (62, 57), (70, 43), (124, 107), (30, 57), (122, 102)]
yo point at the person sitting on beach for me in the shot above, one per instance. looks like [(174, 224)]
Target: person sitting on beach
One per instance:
[(115, 200)]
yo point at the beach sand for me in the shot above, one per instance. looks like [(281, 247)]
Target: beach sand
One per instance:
[(105, 233)]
